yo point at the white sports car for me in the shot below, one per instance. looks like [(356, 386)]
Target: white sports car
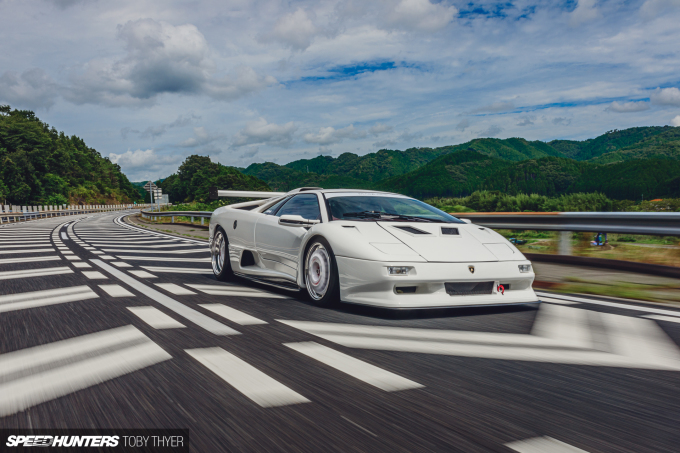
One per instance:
[(364, 247)]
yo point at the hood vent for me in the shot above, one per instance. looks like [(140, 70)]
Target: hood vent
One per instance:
[(450, 231), (411, 230)]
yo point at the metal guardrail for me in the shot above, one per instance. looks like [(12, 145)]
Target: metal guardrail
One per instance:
[(10, 216), (652, 223), (201, 214)]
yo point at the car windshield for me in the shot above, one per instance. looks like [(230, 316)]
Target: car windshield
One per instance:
[(385, 208)]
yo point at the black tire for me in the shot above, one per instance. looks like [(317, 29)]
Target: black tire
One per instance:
[(321, 273), (219, 256)]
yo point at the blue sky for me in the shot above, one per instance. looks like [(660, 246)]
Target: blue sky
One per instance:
[(148, 83)]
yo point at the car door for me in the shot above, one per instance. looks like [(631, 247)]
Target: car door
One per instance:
[(278, 246)]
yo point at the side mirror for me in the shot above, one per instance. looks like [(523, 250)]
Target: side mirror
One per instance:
[(296, 221), (466, 220)]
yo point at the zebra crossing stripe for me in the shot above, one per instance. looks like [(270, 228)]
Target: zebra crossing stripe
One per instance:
[(356, 368), (31, 259), (42, 373), (42, 298), (233, 290), (253, 383), (35, 272), (543, 444)]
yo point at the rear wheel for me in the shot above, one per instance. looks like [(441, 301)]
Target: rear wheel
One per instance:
[(219, 253), (321, 273)]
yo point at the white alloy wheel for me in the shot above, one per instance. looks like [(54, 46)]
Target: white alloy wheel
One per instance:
[(218, 252), (318, 268)]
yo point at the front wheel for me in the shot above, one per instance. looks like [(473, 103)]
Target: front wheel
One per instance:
[(219, 254), (321, 273)]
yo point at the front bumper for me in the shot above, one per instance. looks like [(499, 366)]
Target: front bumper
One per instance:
[(368, 283)]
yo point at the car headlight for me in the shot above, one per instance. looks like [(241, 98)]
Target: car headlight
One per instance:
[(524, 268), (398, 270)]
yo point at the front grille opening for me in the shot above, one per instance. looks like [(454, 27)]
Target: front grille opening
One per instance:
[(450, 231), (468, 288), (506, 286), (412, 230), (406, 289)]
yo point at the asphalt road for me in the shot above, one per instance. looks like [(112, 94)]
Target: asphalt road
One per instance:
[(103, 325)]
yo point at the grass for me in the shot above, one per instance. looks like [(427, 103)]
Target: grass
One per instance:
[(650, 292)]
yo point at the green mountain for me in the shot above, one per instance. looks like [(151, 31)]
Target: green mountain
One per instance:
[(39, 165), (197, 174), (607, 143), (665, 145), (463, 173)]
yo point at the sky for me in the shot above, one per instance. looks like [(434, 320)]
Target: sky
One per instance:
[(148, 83)]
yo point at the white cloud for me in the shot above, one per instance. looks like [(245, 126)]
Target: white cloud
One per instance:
[(262, 132), (161, 58), (491, 131), (626, 107), (330, 135), (676, 121), (201, 137), (421, 15), (463, 124), (496, 107), (665, 96), (561, 121), (379, 128), (652, 8), (526, 121), (585, 12), (294, 30), (32, 89), (140, 164)]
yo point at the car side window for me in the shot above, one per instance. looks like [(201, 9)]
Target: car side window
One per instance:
[(306, 205), (272, 210)]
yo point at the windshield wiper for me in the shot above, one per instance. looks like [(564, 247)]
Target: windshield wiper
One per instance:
[(365, 214)]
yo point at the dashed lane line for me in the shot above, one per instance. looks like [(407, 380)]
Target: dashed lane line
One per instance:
[(192, 315)]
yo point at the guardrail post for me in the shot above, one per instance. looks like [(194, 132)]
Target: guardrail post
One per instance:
[(192, 219), (202, 221), (173, 219), (564, 246)]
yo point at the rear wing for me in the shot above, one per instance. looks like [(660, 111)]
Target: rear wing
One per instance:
[(215, 193)]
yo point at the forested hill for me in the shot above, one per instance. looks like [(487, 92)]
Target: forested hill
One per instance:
[(39, 165), (374, 169)]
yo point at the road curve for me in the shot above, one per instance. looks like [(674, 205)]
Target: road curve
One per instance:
[(105, 325)]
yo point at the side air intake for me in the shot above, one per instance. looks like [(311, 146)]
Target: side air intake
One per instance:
[(449, 231)]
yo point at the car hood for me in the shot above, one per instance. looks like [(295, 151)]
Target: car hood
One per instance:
[(471, 243)]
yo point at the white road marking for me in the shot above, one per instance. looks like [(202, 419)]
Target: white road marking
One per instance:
[(192, 315), (150, 247), (142, 274), (232, 314), (81, 265), (635, 342), (72, 258), (356, 368), (94, 275), (97, 252), (66, 252), (253, 383), (116, 291), (552, 300), (242, 291), (609, 304), (565, 325), (35, 273), (174, 289), (31, 259), (157, 258), (32, 244), (159, 252), (664, 318), (63, 235), (32, 299), (27, 251), (156, 318), (121, 264), (178, 270), (543, 445), (107, 257), (42, 373)]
